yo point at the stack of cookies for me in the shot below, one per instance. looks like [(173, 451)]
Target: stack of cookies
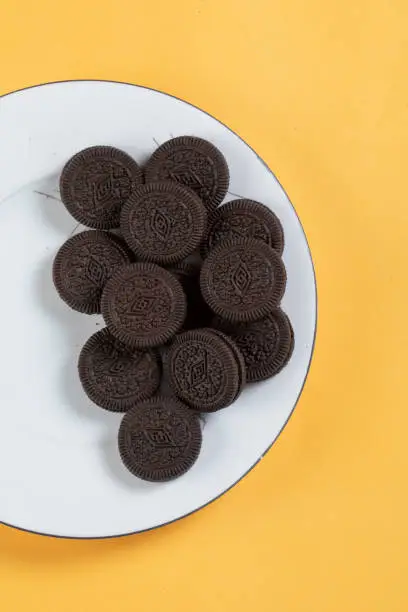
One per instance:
[(189, 291)]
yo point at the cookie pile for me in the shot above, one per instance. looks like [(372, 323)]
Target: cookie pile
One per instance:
[(189, 291)]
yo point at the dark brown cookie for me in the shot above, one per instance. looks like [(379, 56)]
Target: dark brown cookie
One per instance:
[(238, 356), (143, 305), (82, 267), (96, 183), (243, 279), (266, 345), (163, 222), (114, 376), (244, 219), (159, 439), (198, 313), (193, 162), (292, 343), (203, 370)]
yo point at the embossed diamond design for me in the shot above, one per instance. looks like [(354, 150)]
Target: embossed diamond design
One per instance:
[(94, 271), (161, 225), (102, 189), (118, 367), (108, 186), (187, 177), (160, 438), (198, 372), (142, 304), (241, 278)]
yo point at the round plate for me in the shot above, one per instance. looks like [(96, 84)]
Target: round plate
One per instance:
[(60, 471)]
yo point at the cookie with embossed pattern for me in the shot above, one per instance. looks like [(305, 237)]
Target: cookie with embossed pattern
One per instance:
[(114, 376), (83, 265), (194, 163), (159, 439), (163, 222), (266, 345), (95, 184), (244, 219), (143, 305), (243, 279), (238, 357), (203, 370)]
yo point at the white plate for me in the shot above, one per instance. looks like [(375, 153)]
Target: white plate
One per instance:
[(60, 472)]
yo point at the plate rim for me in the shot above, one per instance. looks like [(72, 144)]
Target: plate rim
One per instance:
[(130, 533)]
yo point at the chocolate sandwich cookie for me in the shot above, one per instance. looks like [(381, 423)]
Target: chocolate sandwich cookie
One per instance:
[(198, 313), (244, 219), (243, 279), (192, 162), (83, 265), (143, 305), (159, 439), (163, 222), (238, 356), (266, 345), (114, 376), (203, 370), (292, 342), (96, 183)]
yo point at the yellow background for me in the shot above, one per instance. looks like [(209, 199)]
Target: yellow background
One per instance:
[(319, 88)]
